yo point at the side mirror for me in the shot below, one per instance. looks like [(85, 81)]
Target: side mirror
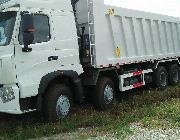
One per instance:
[(28, 31)]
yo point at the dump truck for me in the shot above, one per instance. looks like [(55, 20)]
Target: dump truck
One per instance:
[(51, 51)]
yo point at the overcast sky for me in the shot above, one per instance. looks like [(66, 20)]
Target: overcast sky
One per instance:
[(166, 7)]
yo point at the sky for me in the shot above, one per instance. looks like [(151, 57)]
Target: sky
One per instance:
[(165, 7)]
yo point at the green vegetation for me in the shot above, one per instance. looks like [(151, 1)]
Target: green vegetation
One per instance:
[(151, 108)]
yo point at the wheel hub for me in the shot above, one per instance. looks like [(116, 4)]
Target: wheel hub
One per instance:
[(163, 79), (62, 106), (108, 94)]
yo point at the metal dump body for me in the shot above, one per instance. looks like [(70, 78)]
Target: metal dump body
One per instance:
[(127, 36)]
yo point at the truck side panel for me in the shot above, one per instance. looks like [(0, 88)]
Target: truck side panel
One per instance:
[(127, 36)]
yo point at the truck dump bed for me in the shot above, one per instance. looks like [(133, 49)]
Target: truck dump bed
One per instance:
[(124, 36)]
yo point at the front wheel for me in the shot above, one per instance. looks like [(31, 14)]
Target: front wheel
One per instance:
[(57, 103), (103, 94)]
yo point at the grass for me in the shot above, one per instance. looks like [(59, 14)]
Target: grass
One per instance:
[(151, 108)]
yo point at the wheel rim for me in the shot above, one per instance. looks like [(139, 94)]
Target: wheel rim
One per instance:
[(163, 79), (62, 106), (175, 75), (108, 94)]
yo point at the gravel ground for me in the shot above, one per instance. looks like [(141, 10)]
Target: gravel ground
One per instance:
[(153, 134)]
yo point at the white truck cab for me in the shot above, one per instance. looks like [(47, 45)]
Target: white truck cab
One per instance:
[(31, 54)]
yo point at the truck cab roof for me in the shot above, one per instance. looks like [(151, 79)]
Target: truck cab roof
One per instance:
[(64, 5)]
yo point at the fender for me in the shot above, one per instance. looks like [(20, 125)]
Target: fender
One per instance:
[(165, 60), (47, 79)]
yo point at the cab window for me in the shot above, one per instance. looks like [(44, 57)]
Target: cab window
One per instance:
[(42, 29)]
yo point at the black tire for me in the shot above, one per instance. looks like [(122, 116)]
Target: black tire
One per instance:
[(102, 102), (160, 78), (61, 94), (173, 72)]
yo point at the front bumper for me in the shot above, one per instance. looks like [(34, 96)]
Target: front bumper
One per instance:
[(13, 106)]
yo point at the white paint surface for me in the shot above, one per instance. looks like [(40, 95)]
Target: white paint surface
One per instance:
[(165, 7)]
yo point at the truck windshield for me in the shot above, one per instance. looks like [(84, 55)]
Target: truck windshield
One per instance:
[(7, 22)]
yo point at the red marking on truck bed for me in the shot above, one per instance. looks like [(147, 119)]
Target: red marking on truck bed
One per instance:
[(138, 85), (110, 65), (137, 73), (101, 66)]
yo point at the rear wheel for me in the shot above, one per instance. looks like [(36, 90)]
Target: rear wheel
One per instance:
[(160, 77), (103, 94), (58, 102), (173, 72)]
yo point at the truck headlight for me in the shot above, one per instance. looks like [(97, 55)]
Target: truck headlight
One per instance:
[(6, 94)]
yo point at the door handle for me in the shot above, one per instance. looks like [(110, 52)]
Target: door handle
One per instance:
[(51, 58)]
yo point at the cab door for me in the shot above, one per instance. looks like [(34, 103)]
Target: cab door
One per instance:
[(31, 66)]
